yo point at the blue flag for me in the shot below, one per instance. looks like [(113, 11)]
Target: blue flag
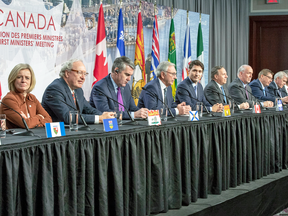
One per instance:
[(120, 36)]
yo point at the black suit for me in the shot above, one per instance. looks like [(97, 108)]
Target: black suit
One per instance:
[(185, 93), (151, 102), (58, 110), (214, 94), (257, 91), (274, 90), (105, 104)]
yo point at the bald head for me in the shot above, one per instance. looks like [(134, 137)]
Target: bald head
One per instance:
[(245, 73)]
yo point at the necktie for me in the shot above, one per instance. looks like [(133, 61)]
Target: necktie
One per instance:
[(279, 93), (165, 95), (195, 89), (73, 95), (264, 92), (119, 98), (224, 94), (246, 92)]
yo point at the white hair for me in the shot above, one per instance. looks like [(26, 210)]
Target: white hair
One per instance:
[(163, 66)]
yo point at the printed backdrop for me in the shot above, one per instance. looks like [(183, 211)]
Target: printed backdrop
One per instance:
[(45, 36)]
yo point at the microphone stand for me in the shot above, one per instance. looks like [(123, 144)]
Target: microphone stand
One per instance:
[(28, 132), (241, 87), (181, 93), (133, 122), (173, 118), (239, 110), (85, 127)]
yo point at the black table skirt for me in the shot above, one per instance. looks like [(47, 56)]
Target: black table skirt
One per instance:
[(138, 170)]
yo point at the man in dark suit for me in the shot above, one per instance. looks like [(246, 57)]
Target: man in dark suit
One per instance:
[(216, 91), (115, 86), (239, 89), (190, 88), (259, 86), (285, 87), (72, 77), (276, 87), (161, 88)]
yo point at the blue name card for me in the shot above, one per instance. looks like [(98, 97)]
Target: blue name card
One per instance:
[(110, 124), (55, 129)]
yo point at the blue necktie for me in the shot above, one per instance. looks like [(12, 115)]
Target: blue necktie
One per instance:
[(195, 89), (264, 92), (224, 94)]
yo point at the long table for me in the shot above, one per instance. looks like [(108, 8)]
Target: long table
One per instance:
[(139, 169)]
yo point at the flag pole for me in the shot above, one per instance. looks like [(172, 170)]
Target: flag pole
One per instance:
[(154, 7)]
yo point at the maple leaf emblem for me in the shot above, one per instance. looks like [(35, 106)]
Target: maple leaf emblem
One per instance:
[(100, 67)]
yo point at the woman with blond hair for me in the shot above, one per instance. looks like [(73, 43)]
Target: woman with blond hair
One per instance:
[(21, 82)]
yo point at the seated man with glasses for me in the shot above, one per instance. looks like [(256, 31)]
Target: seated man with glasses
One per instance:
[(67, 89), (159, 90), (259, 86), (275, 88)]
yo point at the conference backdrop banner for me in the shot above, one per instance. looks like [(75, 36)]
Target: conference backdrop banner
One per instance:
[(29, 33), (45, 36)]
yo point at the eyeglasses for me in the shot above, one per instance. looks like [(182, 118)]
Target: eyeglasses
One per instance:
[(80, 72), (173, 74), (270, 78)]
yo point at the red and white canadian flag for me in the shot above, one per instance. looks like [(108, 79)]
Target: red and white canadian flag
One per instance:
[(101, 63)]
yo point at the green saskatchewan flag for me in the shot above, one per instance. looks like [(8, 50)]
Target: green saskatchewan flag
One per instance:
[(172, 54)]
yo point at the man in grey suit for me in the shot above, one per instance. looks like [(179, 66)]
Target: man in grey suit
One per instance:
[(216, 91), (239, 89)]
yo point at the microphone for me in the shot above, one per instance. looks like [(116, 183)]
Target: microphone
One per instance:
[(239, 110), (275, 94), (241, 87), (85, 127), (28, 132), (181, 93), (129, 114), (155, 96)]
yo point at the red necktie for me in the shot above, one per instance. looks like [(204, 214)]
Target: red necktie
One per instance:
[(74, 98)]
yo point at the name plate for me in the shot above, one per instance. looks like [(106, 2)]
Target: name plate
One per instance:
[(154, 117), (110, 124), (226, 111), (279, 106), (257, 109), (55, 129), (193, 116)]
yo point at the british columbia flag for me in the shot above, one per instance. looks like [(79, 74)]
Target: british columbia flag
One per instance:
[(155, 55)]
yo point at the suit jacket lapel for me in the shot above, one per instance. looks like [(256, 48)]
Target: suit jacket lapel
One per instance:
[(111, 88), (220, 92), (68, 93), (159, 89), (191, 88)]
